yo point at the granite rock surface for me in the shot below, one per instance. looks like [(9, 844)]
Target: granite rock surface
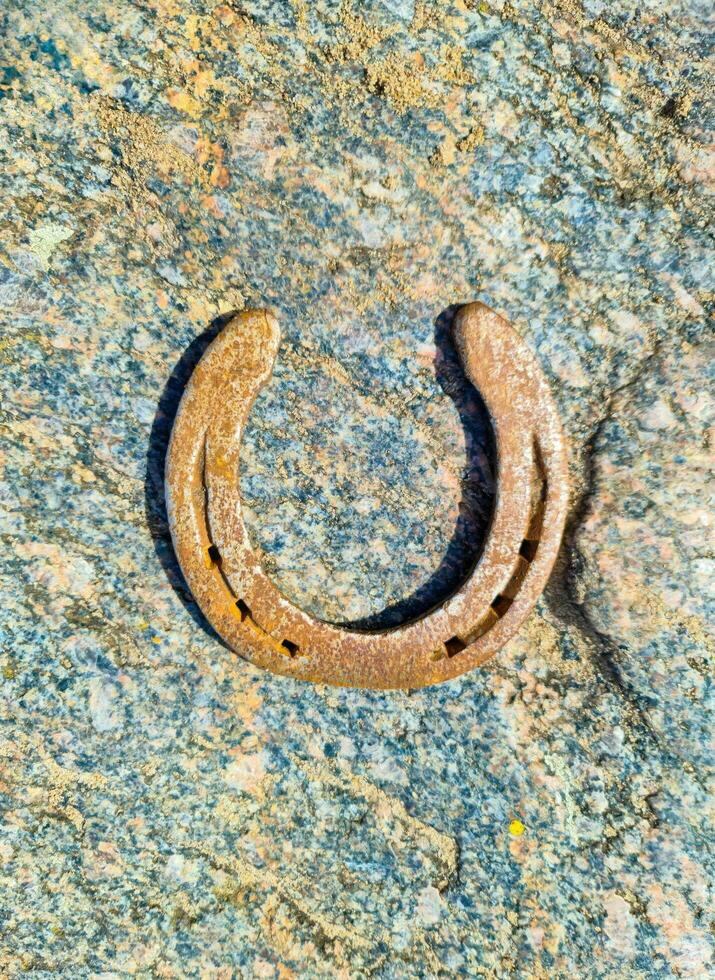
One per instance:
[(169, 810)]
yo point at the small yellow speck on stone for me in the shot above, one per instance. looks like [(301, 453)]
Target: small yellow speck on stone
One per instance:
[(516, 828)]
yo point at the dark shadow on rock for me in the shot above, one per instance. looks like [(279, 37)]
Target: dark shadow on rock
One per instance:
[(154, 489), (477, 501)]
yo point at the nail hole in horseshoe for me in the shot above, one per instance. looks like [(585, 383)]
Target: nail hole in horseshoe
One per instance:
[(528, 549), (454, 646), (216, 562), (243, 609), (501, 604)]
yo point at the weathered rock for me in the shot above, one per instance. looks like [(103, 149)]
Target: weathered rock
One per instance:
[(169, 810)]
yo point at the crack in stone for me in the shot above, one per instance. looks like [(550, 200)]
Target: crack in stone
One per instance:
[(562, 592)]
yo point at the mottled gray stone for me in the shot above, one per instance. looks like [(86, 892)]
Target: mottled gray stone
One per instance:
[(169, 811)]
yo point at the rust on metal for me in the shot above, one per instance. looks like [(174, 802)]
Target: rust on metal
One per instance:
[(243, 605)]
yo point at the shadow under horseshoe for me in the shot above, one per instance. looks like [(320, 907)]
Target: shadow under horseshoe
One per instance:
[(154, 483), (477, 485)]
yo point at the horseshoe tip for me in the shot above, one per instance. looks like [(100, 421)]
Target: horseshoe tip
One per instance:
[(475, 315), (270, 317), (476, 322), (261, 323), (476, 308)]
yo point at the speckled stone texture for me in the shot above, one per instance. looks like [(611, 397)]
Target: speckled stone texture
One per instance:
[(170, 811)]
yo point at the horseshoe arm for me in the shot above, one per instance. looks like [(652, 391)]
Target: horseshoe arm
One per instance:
[(255, 619)]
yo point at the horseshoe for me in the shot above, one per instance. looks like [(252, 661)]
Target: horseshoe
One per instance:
[(259, 623)]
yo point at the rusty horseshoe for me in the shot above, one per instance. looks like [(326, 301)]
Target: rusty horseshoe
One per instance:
[(248, 611)]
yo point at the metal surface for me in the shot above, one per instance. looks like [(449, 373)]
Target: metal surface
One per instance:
[(247, 610)]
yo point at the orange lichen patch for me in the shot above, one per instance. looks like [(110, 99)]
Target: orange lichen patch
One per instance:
[(220, 177), (254, 618), (181, 100), (225, 15), (210, 204), (207, 151)]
